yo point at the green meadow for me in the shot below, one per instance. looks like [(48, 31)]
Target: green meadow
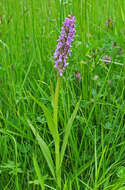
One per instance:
[(62, 133)]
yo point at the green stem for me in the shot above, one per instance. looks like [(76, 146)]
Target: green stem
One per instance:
[(57, 140), (56, 103), (58, 169)]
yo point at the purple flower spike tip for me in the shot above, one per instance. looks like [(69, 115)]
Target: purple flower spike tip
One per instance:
[(64, 45)]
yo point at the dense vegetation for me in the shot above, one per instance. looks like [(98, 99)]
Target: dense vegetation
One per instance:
[(94, 156)]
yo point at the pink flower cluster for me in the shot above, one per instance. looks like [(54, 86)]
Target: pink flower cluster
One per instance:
[(64, 45)]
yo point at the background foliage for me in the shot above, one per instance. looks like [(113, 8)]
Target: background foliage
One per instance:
[(95, 155)]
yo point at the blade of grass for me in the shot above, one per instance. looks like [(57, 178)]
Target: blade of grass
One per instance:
[(44, 148), (97, 175), (88, 187), (37, 169), (67, 131)]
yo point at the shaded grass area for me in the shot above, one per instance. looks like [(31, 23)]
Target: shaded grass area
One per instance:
[(29, 29)]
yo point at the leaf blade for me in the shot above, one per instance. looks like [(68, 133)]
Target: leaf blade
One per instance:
[(49, 119), (37, 169), (67, 131), (44, 148)]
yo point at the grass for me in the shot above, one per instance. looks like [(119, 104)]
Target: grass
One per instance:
[(94, 157)]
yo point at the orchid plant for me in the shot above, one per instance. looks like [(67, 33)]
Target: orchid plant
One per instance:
[(61, 54)]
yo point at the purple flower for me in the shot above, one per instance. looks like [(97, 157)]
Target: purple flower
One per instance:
[(64, 45), (78, 75), (106, 59)]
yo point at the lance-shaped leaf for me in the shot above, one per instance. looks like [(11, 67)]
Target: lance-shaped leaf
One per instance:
[(49, 118), (67, 131), (44, 148)]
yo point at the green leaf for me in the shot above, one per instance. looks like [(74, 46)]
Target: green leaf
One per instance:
[(122, 188), (35, 182), (67, 131), (65, 186), (44, 148), (40, 178), (121, 172), (49, 118), (99, 167), (108, 125), (123, 15)]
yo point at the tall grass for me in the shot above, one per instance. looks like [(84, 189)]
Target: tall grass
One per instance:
[(94, 155)]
